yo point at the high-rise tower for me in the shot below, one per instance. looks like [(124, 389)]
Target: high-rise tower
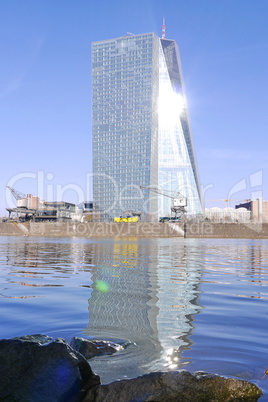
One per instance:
[(141, 134)]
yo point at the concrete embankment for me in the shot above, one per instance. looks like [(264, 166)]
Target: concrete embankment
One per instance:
[(226, 230), (91, 229), (14, 229), (141, 229)]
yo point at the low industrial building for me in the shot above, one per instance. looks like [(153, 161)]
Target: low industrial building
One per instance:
[(249, 211), (55, 211), (258, 209), (227, 215), (31, 208)]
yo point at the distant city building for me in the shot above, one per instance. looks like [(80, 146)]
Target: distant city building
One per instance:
[(227, 215), (247, 211), (258, 209), (141, 133)]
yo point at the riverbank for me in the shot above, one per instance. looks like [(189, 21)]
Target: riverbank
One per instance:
[(202, 229)]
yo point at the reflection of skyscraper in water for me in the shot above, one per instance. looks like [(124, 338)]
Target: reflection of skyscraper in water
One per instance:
[(258, 257), (178, 274), (150, 302), (128, 310)]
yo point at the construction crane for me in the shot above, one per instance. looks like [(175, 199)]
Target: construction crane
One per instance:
[(16, 194), (178, 202), (225, 200), (243, 201)]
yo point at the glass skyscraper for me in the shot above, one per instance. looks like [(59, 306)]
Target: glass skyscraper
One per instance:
[(141, 135)]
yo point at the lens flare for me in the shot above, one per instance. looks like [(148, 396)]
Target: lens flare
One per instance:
[(102, 286)]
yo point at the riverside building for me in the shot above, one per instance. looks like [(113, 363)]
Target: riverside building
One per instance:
[(141, 133)]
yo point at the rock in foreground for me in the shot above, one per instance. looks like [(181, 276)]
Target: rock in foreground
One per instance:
[(34, 368), (37, 368), (94, 348), (175, 386)]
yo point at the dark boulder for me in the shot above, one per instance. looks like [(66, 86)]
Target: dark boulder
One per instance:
[(34, 368), (37, 368), (38, 338), (175, 386), (94, 348)]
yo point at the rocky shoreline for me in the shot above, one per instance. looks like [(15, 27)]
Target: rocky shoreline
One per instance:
[(39, 368)]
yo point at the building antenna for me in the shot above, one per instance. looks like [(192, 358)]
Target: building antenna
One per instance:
[(164, 29)]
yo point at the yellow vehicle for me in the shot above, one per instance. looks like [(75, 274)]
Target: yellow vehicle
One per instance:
[(126, 219), (128, 216)]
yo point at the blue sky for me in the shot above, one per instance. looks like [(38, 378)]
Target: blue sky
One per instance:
[(45, 89)]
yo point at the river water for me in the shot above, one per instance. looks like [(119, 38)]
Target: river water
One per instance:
[(194, 304)]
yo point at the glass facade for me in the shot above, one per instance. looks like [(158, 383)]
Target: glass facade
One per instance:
[(176, 160), (140, 138)]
